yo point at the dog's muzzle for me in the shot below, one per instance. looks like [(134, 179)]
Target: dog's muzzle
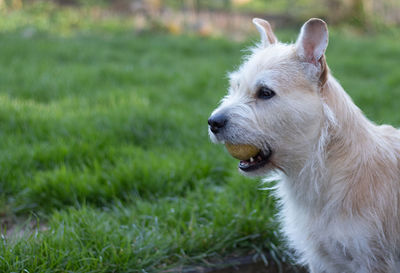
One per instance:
[(250, 161)]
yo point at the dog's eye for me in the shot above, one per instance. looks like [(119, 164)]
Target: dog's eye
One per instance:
[(265, 93)]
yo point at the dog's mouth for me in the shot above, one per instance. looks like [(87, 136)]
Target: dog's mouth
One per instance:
[(251, 158), (256, 162)]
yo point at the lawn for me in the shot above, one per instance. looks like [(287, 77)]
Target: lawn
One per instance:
[(105, 148)]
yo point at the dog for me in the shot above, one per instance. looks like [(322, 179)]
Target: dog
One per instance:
[(339, 186)]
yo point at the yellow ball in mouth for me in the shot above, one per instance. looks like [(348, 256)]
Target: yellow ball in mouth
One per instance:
[(242, 151)]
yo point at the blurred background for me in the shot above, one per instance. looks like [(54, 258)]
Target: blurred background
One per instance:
[(105, 160), (213, 18)]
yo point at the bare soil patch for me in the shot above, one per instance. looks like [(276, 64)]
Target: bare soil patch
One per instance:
[(241, 265)]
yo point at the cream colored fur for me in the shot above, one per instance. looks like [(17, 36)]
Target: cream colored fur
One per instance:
[(340, 173)]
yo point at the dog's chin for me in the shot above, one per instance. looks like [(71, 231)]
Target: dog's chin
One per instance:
[(259, 166)]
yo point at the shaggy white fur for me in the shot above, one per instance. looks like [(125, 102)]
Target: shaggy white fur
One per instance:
[(340, 173)]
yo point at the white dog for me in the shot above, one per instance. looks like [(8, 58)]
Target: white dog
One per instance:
[(340, 173)]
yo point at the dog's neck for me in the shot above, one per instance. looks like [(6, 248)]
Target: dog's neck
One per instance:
[(351, 125), (345, 133)]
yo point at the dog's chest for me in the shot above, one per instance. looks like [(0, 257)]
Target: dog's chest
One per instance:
[(324, 235)]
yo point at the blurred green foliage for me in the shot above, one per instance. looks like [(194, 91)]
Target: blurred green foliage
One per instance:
[(51, 18)]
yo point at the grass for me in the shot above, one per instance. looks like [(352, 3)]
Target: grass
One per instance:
[(104, 145)]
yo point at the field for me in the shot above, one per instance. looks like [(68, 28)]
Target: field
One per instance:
[(105, 160)]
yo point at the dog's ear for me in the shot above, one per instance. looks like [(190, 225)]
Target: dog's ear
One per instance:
[(312, 41), (264, 28)]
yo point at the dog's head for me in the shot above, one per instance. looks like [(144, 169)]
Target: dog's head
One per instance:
[(274, 105)]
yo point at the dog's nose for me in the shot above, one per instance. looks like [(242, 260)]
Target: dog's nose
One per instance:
[(217, 122)]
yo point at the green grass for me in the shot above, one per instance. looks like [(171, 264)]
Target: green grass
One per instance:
[(104, 143), (105, 137)]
